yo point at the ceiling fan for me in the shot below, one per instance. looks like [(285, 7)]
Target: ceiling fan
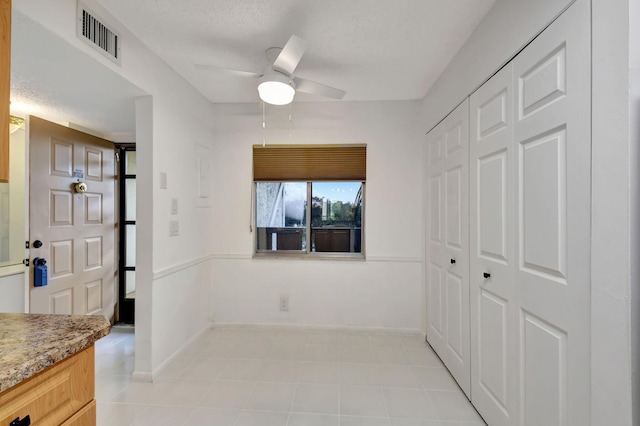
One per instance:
[(277, 85)]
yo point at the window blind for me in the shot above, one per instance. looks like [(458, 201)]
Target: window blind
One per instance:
[(305, 163)]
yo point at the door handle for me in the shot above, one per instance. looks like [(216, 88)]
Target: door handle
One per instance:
[(24, 422), (453, 261), (486, 275), (37, 244)]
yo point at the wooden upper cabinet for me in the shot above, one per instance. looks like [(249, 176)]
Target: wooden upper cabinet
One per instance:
[(5, 75)]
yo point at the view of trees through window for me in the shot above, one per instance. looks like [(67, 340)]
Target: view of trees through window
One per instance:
[(336, 204), (335, 209)]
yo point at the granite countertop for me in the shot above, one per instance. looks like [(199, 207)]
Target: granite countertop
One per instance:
[(29, 343)]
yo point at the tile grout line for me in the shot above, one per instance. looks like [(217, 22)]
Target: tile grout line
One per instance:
[(313, 350)]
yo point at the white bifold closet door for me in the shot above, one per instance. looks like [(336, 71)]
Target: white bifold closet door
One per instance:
[(530, 156), (493, 249), (448, 244)]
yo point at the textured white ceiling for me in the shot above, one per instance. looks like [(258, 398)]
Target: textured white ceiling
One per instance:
[(373, 49), (56, 81)]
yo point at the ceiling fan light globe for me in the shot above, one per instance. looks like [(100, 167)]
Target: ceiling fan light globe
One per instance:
[(276, 91)]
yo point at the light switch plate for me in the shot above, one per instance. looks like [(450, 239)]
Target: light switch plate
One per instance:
[(163, 180), (173, 228), (174, 206)]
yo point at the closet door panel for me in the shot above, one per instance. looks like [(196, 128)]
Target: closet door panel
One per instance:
[(493, 352), (492, 206), (454, 214), (543, 209), (436, 309), (553, 211), (448, 247), (455, 325), (492, 251), (435, 203), (435, 293), (457, 291), (456, 256)]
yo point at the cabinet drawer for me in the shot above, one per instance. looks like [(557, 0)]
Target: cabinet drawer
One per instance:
[(84, 417), (54, 395)]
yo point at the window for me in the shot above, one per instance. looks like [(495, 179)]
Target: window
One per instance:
[(12, 206), (127, 265), (309, 199)]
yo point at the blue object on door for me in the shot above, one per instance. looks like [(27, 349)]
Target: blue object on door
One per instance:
[(40, 273)]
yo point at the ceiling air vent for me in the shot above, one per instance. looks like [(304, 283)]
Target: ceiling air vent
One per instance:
[(95, 33)]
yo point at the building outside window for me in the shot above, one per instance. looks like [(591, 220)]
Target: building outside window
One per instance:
[(321, 214)]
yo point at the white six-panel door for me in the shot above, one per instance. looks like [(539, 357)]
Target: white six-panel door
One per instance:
[(76, 229), (448, 244), (529, 215)]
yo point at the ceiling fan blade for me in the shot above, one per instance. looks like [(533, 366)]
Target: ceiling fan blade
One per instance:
[(292, 52), (314, 88), (228, 70)]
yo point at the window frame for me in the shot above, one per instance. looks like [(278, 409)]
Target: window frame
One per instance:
[(308, 254), (126, 306)]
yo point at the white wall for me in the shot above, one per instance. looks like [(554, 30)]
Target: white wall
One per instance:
[(505, 30), (382, 292), (12, 293), (634, 234), (611, 215), (171, 270), (634, 160)]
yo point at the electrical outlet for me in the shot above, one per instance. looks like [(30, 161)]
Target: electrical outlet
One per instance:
[(284, 302), (173, 228)]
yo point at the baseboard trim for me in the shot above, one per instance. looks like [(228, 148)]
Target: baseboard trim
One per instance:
[(142, 376), (232, 256), (319, 327), (394, 259), (150, 376)]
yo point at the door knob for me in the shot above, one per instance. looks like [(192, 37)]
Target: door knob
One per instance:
[(453, 261), (486, 275), (37, 244)]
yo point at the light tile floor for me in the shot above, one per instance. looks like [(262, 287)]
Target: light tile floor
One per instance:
[(269, 377)]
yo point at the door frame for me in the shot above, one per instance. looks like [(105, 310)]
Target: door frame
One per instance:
[(126, 307)]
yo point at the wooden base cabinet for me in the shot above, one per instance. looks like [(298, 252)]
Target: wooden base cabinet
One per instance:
[(5, 75), (63, 394), (86, 416)]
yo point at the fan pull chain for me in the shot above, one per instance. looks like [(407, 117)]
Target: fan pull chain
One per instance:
[(264, 124), (290, 122)]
